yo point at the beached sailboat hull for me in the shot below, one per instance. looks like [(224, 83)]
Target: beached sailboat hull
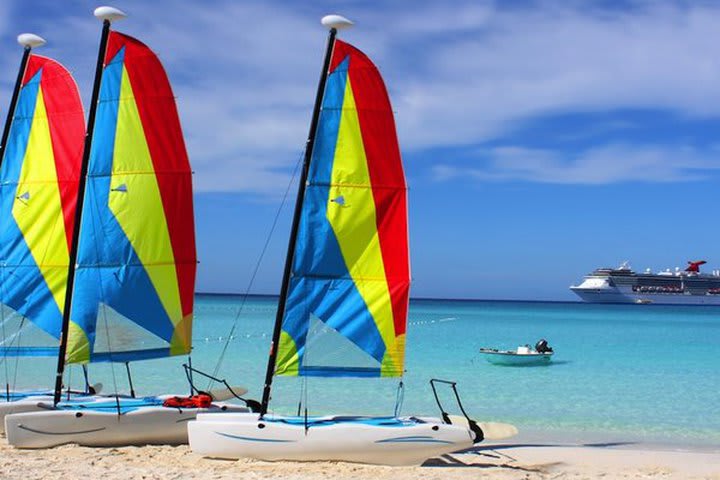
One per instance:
[(40, 154), (382, 441), (345, 286), (32, 403), (150, 425), (130, 260), (19, 395)]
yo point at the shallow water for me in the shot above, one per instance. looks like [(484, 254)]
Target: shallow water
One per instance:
[(622, 372)]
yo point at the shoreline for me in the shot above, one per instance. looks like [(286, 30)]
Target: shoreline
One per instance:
[(615, 438), (557, 301), (583, 437), (508, 460)]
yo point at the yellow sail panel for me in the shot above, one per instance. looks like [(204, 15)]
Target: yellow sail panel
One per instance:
[(354, 223), (38, 208), (38, 192), (349, 287), (136, 191), (136, 255)]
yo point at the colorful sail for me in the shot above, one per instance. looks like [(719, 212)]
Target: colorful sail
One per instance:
[(135, 275), (346, 310), (38, 193)]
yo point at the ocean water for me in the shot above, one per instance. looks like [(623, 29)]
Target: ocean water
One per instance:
[(641, 373)]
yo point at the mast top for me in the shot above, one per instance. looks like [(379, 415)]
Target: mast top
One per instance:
[(30, 40), (338, 22), (109, 13)]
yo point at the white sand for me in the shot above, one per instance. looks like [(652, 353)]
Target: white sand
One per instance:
[(488, 462)]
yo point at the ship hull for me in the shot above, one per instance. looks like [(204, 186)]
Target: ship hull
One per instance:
[(614, 295)]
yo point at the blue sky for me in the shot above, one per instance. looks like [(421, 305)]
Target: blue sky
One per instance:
[(541, 139)]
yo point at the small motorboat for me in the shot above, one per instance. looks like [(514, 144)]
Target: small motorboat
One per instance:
[(524, 355)]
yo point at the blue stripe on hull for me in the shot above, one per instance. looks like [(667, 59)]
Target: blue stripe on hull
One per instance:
[(254, 439), (416, 439)]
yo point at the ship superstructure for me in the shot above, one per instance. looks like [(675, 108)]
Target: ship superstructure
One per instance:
[(678, 287)]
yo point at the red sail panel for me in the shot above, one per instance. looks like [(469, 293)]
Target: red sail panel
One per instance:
[(377, 125), (67, 129), (158, 112)]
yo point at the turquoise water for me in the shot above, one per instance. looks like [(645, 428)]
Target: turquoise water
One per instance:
[(635, 372)]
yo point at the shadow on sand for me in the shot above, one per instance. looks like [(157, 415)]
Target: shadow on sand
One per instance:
[(487, 461), (498, 456)]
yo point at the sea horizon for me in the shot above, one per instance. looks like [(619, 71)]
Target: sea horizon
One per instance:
[(498, 300), (412, 298)]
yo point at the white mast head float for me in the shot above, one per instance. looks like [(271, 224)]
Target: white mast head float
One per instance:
[(30, 40), (109, 13), (338, 22)]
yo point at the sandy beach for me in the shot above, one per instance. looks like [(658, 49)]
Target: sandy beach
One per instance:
[(491, 461)]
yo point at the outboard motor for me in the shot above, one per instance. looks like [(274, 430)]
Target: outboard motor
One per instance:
[(542, 346)]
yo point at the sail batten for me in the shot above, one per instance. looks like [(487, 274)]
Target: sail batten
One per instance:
[(350, 273), (136, 255)]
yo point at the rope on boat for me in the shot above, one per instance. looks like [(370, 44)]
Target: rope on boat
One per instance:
[(103, 308), (231, 334), (251, 336)]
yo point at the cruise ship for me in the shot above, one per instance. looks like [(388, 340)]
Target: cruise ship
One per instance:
[(679, 287)]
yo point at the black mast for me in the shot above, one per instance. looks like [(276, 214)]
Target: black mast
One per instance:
[(78, 211), (13, 100), (8, 124), (295, 223)]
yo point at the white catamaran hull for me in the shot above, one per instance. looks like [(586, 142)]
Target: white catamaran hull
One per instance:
[(156, 425), (232, 435), (35, 403), (29, 404)]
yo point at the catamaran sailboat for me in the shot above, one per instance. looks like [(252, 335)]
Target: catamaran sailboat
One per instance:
[(40, 151), (129, 292), (346, 281)]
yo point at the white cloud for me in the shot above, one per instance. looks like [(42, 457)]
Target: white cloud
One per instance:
[(244, 86), (527, 63), (8, 62), (245, 73), (600, 165)]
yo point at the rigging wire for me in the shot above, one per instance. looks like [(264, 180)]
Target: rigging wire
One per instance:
[(103, 308), (399, 397), (7, 345), (5, 351), (230, 336), (17, 357), (109, 347), (69, 385), (17, 337), (301, 395), (308, 351), (3, 266)]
